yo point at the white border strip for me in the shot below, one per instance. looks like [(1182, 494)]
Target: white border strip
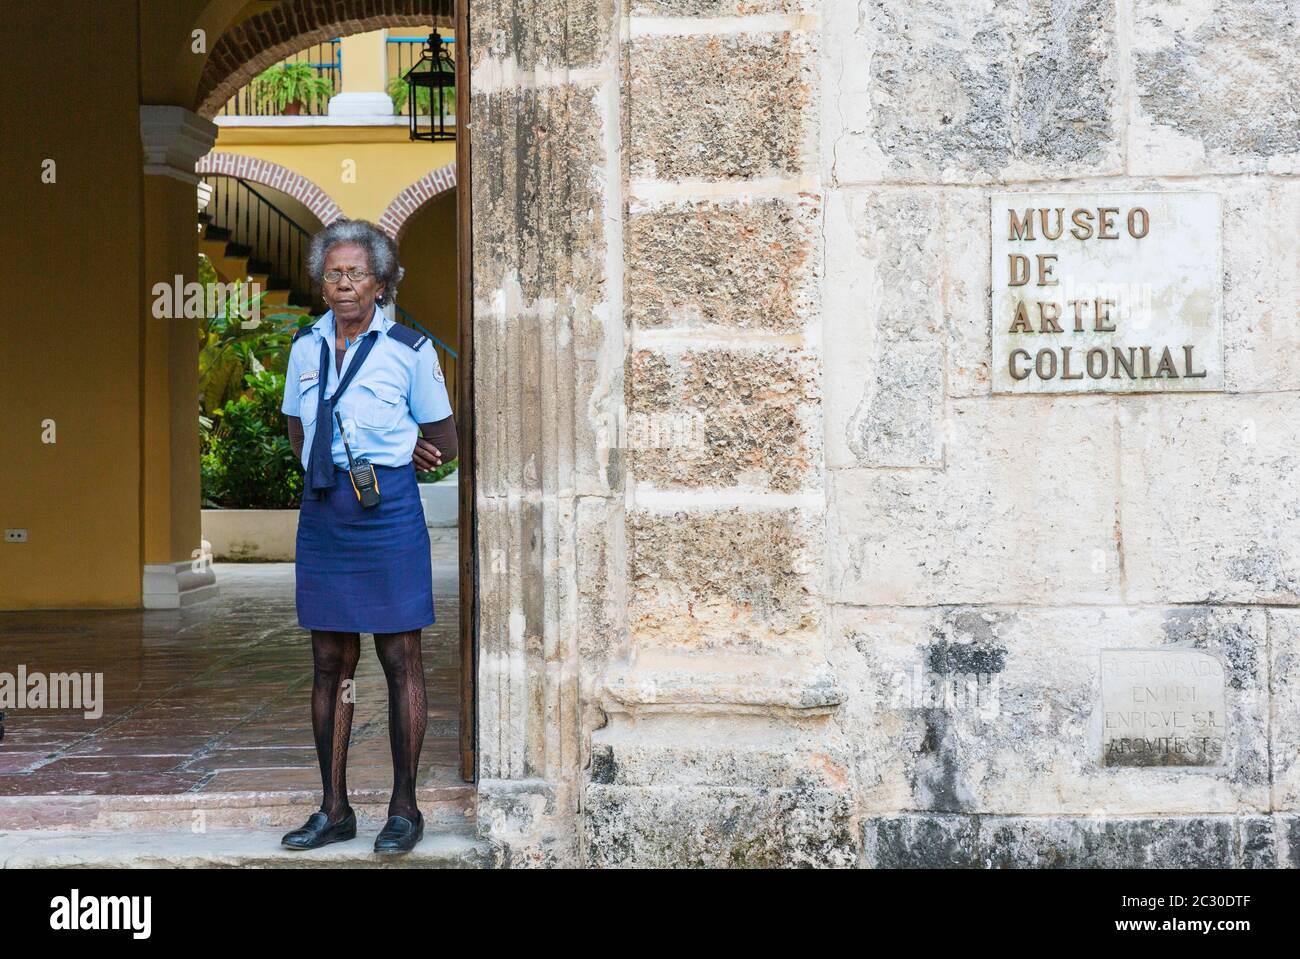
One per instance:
[(701, 26), (665, 191), (647, 497)]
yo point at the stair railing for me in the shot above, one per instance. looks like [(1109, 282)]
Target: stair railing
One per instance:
[(273, 238)]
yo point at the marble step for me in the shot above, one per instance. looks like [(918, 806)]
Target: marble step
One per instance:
[(235, 848), (444, 806)]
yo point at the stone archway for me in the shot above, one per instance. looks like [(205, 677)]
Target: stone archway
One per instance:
[(261, 41), (405, 204), (278, 177)]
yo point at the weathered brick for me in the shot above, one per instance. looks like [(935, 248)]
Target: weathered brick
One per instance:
[(748, 264), (745, 579), (706, 418), (721, 107)]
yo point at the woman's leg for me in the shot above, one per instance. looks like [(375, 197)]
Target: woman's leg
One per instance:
[(335, 656), (408, 713)]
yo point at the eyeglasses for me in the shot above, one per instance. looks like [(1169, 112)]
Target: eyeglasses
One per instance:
[(356, 276)]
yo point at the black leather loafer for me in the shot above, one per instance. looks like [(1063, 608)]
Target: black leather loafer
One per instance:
[(319, 831), (399, 834)]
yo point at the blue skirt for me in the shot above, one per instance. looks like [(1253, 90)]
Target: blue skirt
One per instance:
[(365, 570)]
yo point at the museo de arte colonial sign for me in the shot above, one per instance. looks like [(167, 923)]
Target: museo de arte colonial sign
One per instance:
[(1106, 292)]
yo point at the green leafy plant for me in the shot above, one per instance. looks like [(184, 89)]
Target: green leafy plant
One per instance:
[(228, 352), (399, 91), (290, 86), (438, 472), (246, 461)]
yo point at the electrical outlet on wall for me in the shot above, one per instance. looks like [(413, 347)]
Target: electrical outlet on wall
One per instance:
[(16, 535)]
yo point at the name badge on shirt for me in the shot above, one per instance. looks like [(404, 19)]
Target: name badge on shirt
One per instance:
[(308, 376)]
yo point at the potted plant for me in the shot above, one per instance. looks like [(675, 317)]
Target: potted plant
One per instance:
[(288, 86)]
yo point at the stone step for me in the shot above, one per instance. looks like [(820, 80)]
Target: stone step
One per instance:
[(444, 806), (236, 848)]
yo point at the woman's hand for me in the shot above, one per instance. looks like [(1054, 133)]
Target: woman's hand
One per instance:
[(426, 456)]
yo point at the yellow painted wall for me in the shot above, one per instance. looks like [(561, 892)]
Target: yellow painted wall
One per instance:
[(71, 350), (428, 253), (362, 168), (119, 488)]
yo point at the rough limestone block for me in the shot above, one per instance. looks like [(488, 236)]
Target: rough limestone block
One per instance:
[(884, 328), (599, 552), (1287, 828), (693, 749), (724, 417), (893, 299), (798, 682), (899, 420), (929, 840), (1198, 842), (998, 710), (1210, 502), (734, 106), (920, 841), (717, 827), (573, 34), (933, 91), (524, 225), (729, 578), (1024, 512), (1213, 87), (1284, 676), (965, 266), (1261, 283), (744, 264), (522, 817)]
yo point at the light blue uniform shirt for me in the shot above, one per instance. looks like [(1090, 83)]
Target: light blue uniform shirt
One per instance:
[(396, 389)]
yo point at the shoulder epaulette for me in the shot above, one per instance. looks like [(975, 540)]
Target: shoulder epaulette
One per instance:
[(404, 334), (302, 331)]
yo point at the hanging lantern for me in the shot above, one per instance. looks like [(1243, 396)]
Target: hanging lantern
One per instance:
[(436, 72)]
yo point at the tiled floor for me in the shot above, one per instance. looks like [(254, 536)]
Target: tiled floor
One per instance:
[(214, 698)]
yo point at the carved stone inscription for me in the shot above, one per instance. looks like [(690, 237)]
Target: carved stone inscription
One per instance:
[(1107, 292), (1162, 707)]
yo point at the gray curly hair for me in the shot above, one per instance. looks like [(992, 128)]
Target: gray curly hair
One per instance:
[(381, 253)]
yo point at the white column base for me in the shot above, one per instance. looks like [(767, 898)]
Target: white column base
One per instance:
[(176, 585), (361, 105)]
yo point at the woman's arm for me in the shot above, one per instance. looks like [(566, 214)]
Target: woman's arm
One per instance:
[(436, 444), (296, 435)]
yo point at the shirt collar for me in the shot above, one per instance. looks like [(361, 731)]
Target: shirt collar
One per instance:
[(324, 327)]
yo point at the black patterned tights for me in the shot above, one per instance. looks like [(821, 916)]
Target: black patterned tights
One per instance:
[(332, 697)]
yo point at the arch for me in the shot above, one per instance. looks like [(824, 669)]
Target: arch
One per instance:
[(404, 205), (281, 178), (261, 41)]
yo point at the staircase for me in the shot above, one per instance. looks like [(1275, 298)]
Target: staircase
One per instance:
[(246, 237)]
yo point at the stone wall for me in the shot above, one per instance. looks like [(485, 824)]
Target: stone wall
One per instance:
[(1013, 538), (743, 475)]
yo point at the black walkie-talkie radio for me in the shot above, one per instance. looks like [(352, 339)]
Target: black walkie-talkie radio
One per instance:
[(364, 481)]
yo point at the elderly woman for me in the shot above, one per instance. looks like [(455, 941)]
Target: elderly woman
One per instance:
[(364, 395)]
